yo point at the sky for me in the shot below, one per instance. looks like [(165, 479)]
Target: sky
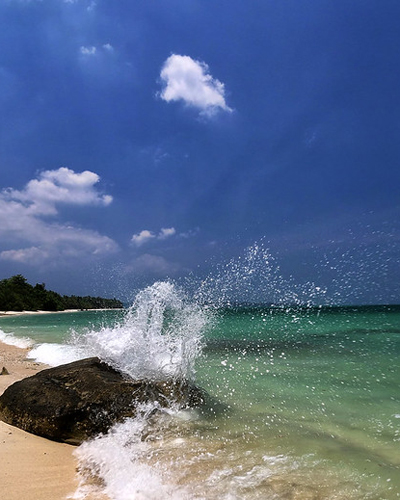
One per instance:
[(160, 139)]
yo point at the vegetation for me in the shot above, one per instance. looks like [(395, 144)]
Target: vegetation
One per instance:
[(16, 294)]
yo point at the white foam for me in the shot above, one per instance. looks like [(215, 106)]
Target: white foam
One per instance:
[(119, 459), (56, 354), (10, 339)]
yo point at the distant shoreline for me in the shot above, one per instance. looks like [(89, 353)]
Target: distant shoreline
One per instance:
[(27, 313)]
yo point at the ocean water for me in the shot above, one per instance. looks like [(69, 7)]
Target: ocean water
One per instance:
[(304, 399)]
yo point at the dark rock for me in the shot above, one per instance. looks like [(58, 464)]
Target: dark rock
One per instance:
[(73, 402), (4, 371)]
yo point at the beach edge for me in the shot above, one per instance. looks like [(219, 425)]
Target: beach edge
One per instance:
[(32, 468)]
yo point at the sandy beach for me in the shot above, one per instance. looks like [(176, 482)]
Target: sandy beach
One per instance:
[(20, 313), (32, 468)]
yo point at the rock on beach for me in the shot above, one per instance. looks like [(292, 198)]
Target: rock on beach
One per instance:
[(76, 401)]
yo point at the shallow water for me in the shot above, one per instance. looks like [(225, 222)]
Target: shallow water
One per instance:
[(306, 403)]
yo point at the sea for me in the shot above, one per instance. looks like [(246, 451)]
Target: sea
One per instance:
[(303, 397)]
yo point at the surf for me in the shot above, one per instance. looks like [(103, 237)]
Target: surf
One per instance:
[(286, 370)]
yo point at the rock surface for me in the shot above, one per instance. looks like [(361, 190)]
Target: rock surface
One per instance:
[(73, 402)]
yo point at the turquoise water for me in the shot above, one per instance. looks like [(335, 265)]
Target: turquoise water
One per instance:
[(318, 385), (307, 404), (56, 327)]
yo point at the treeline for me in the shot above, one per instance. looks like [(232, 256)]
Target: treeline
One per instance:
[(16, 294)]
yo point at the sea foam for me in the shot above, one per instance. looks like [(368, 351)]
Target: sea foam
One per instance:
[(8, 338), (118, 464), (56, 354)]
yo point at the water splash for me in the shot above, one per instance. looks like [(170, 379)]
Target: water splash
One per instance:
[(160, 336), (255, 278)]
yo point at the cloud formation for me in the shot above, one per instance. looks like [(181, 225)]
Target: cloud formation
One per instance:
[(145, 236), (27, 234), (188, 80), (62, 186), (88, 51), (92, 50)]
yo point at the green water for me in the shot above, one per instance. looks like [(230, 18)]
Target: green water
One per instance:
[(57, 327), (320, 386), (307, 403)]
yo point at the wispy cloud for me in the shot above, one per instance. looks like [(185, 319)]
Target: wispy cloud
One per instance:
[(166, 233), (188, 80), (88, 51), (145, 236), (92, 50), (28, 235), (90, 7)]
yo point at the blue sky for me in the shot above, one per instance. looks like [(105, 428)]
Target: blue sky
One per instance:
[(151, 139)]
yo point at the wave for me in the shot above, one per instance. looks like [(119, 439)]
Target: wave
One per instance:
[(10, 339)]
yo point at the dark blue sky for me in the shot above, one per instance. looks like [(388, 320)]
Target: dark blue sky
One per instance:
[(140, 140)]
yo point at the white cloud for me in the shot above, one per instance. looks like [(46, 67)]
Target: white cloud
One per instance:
[(62, 186), (26, 233), (188, 80), (166, 232), (92, 50), (32, 255), (145, 236), (88, 51)]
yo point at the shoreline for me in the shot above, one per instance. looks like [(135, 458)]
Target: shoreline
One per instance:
[(32, 467), (4, 314)]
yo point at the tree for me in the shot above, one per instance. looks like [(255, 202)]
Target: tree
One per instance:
[(16, 294)]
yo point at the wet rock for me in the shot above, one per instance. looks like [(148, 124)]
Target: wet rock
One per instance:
[(73, 402)]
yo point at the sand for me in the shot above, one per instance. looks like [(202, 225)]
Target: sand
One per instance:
[(31, 467), (20, 313)]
